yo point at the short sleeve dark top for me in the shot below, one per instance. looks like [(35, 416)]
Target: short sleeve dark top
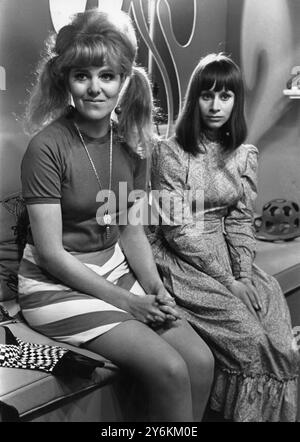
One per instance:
[(56, 170)]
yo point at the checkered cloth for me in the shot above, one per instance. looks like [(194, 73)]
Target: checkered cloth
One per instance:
[(15, 353)]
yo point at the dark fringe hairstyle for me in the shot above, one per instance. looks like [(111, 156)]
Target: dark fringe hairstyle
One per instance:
[(215, 71)]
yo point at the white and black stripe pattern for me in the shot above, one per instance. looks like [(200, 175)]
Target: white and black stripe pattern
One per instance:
[(67, 315)]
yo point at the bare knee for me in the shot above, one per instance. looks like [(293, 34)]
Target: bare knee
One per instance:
[(173, 372)]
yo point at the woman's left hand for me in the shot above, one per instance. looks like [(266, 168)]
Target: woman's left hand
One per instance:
[(167, 304), (248, 283), (245, 294)]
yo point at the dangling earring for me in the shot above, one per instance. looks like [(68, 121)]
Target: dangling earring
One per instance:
[(70, 107), (71, 101), (118, 110)]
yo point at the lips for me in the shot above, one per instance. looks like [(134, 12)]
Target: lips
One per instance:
[(215, 119), (94, 101)]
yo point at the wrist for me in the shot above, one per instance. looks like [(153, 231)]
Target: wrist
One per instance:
[(229, 282), (155, 286), (126, 301)]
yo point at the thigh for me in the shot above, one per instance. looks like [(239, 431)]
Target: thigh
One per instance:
[(134, 346), (181, 336)]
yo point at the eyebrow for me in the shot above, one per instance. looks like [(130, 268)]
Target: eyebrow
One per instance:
[(86, 69)]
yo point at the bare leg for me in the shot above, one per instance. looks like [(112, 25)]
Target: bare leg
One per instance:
[(133, 346), (198, 358)]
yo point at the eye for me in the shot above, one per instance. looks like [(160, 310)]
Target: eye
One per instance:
[(225, 96), (80, 76), (107, 76), (206, 96)]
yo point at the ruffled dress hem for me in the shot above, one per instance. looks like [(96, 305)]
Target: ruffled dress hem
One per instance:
[(253, 397)]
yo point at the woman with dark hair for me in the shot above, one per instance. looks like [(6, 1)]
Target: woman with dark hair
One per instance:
[(206, 258), (190, 126), (87, 276)]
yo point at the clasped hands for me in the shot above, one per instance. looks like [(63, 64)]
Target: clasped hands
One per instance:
[(154, 309)]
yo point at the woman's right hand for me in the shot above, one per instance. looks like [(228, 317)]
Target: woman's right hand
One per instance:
[(245, 294), (146, 309)]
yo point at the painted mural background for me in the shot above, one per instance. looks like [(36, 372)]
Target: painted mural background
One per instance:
[(262, 35)]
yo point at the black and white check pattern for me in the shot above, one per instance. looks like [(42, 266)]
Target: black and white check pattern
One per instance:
[(31, 356)]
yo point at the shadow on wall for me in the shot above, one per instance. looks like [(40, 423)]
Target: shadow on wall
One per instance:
[(269, 48)]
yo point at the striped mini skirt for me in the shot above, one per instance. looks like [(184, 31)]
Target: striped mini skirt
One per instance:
[(67, 315)]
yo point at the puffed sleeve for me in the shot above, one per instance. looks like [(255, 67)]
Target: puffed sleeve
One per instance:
[(170, 165), (239, 221)]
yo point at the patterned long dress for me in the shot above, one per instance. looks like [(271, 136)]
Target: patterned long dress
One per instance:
[(257, 360)]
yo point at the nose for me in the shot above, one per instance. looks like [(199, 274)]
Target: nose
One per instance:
[(215, 104), (94, 88)]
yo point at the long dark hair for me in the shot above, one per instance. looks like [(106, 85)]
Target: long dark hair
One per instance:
[(215, 71)]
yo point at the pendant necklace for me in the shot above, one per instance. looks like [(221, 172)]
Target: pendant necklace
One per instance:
[(106, 217)]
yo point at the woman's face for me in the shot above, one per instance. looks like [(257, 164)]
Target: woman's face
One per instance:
[(95, 90), (216, 107)]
